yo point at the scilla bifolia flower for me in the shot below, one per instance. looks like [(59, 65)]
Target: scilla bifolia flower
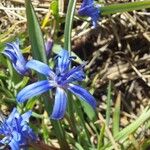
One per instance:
[(88, 8), (16, 131), (62, 79), (13, 52)]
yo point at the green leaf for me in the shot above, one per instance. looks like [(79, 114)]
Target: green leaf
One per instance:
[(54, 9), (37, 45), (78, 146), (124, 133), (118, 8), (88, 110), (35, 34), (30, 103), (45, 132), (101, 137), (116, 115), (108, 103)]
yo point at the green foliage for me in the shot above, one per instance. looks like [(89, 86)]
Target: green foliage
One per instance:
[(81, 128), (119, 8)]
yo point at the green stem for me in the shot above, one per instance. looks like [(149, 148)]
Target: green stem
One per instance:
[(108, 103), (124, 7), (68, 24), (60, 135), (80, 114), (67, 46), (101, 137)]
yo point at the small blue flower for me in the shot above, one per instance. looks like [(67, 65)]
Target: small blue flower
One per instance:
[(62, 79), (12, 51), (16, 130), (88, 8)]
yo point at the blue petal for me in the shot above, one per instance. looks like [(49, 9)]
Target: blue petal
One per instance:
[(83, 94), (75, 74), (12, 51), (11, 116), (20, 67), (10, 55), (14, 47), (63, 61), (86, 3), (34, 90), (40, 67), (14, 145), (25, 117), (89, 9), (16, 136), (5, 140), (59, 104)]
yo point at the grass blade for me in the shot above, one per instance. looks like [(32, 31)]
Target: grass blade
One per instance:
[(116, 115), (101, 137), (118, 8), (124, 134), (108, 103), (35, 34), (68, 24)]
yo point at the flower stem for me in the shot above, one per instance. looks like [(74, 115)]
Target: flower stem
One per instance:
[(116, 8), (68, 24), (67, 45), (60, 135)]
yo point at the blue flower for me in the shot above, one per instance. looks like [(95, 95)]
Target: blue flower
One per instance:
[(12, 51), (88, 8), (16, 130), (62, 79)]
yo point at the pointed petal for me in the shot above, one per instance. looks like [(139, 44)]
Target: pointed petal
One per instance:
[(83, 94), (5, 140), (63, 61), (20, 67), (25, 117), (14, 145), (10, 55), (87, 2), (59, 104), (89, 9), (40, 67), (16, 136), (34, 90), (14, 47), (13, 52), (75, 74), (11, 116)]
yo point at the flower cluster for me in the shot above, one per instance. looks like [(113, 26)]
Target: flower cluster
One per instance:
[(16, 130), (62, 79), (88, 8)]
